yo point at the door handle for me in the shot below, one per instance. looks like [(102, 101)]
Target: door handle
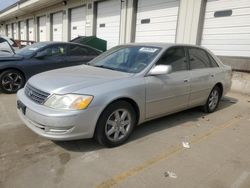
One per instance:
[(186, 80)]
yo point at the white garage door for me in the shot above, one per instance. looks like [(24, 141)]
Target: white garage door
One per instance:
[(108, 21), (23, 30), (78, 22), (15, 31), (57, 26), (156, 20), (226, 29), (31, 29), (9, 30), (42, 28)]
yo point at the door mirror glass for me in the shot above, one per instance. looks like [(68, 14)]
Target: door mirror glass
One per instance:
[(160, 70)]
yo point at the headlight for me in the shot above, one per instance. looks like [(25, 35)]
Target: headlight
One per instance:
[(69, 101)]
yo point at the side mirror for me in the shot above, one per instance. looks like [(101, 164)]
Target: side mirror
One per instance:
[(160, 70), (41, 55)]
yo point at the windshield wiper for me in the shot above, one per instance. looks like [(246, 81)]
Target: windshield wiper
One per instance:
[(102, 66)]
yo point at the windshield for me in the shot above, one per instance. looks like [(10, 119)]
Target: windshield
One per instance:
[(130, 59), (29, 50)]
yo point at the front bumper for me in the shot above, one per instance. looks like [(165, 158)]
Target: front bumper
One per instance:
[(57, 124)]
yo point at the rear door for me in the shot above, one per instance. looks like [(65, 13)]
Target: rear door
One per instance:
[(169, 93), (77, 54), (202, 76)]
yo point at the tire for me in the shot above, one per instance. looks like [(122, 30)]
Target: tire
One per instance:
[(11, 81), (213, 100), (115, 124)]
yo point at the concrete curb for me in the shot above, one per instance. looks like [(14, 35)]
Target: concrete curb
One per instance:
[(241, 83)]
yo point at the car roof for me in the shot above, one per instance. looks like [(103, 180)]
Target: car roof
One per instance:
[(55, 42), (163, 45)]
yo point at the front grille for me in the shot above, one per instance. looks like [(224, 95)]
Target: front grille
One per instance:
[(35, 95)]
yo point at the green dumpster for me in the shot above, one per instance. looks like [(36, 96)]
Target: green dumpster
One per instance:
[(92, 41)]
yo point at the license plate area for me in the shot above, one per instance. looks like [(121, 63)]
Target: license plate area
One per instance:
[(21, 107)]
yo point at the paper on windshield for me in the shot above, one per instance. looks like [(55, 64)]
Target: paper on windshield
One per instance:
[(148, 49)]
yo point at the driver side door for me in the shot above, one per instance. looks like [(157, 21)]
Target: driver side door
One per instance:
[(169, 93), (53, 58)]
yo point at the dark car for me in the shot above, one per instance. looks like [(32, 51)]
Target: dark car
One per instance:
[(16, 69)]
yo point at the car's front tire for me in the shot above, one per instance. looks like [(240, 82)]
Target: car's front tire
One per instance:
[(115, 124), (11, 81), (213, 100)]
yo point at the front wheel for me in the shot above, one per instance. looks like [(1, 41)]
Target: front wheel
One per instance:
[(115, 124), (11, 81), (213, 100)]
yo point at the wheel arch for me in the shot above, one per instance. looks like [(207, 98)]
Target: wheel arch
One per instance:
[(129, 100), (220, 85)]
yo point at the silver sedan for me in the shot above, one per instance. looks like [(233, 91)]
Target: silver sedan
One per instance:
[(125, 86)]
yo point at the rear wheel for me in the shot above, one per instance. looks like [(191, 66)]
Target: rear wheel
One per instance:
[(11, 81), (115, 124), (213, 100)]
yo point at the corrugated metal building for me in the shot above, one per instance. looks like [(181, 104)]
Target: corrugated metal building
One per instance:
[(223, 26)]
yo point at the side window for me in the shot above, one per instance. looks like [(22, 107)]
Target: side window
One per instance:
[(54, 51), (92, 52), (212, 61), (176, 58), (198, 58), (75, 50)]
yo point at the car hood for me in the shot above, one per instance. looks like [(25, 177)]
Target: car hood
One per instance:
[(72, 79), (10, 57)]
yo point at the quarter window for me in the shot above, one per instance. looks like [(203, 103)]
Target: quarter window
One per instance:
[(176, 58), (212, 61), (198, 58)]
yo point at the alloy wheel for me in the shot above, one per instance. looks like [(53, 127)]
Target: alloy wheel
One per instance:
[(213, 99), (118, 125), (12, 81)]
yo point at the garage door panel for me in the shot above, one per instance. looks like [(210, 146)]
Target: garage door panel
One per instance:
[(229, 30), (113, 20), (229, 21), (227, 4), (156, 33), (172, 16), (232, 53), (227, 41), (155, 39), (57, 26), (31, 29), (78, 22), (230, 36), (23, 30), (156, 20), (157, 27), (42, 28), (108, 21), (228, 47), (156, 5), (236, 12)]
